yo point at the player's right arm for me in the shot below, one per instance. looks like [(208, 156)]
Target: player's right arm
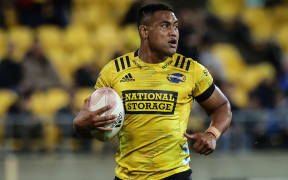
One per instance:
[(86, 120)]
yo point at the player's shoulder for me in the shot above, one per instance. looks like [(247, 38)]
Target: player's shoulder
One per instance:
[(184, 63), (120, 63)]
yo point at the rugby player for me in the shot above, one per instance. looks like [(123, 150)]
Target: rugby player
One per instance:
[(158, 87)]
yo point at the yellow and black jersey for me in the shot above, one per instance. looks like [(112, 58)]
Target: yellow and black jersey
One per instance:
[(157, 100)]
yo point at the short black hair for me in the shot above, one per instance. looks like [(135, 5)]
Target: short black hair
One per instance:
[(149, 9)]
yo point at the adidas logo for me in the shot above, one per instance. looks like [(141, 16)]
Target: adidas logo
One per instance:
[(128, 77)]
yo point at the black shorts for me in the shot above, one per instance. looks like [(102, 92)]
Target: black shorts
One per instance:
[(185, 175)]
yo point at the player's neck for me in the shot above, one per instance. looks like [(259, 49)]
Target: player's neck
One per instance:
[(149, 56)]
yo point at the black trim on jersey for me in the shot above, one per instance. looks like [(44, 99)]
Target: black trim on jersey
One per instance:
[(136, 53), (122, 63), (182, 63), (188, 65), (128, 61), (177, 61), (117, 65), (206, 94)]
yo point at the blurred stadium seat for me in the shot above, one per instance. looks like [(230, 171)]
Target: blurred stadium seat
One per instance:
[(51, 37), (232, 60), (107, 32), (8, 97), (23, 38), (47, 103), (75, 37), (80, 95), (260, 22), (3, 44), (255, 74), (225, 9), (282, 38), (130, 38)]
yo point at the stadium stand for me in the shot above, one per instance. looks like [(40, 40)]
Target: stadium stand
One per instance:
[(93, 34)]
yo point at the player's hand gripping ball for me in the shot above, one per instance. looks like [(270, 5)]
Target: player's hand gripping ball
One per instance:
[(100, 98)]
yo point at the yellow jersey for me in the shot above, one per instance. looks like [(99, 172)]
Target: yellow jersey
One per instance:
[(157, 99)]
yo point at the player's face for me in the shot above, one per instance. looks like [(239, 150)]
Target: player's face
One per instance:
[(163, 34)]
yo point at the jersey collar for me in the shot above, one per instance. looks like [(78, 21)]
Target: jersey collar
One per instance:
[(142, 63)]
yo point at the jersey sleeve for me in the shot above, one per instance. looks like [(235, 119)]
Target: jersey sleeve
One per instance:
[(204, 86), (104, 78)]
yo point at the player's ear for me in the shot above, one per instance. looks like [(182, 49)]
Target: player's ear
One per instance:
[(143, 31)]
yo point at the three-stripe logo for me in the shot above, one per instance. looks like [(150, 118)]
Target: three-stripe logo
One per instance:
[(183, 62), (122, 64), (128, 77)]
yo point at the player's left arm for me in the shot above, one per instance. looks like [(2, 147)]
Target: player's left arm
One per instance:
[(216, 105), (218, 108)]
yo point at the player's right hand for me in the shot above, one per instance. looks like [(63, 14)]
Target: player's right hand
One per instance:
[(93, 120)]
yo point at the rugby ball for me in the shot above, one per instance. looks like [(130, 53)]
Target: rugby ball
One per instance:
[(100, 98)]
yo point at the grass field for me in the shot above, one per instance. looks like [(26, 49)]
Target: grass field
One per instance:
[(219, 166)]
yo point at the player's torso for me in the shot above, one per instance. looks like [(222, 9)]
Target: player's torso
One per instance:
[(153, 90), (157, 100)]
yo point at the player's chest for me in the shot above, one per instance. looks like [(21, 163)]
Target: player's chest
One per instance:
[(152, 83)]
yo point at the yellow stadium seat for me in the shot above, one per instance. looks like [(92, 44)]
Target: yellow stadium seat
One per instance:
[(85, 55), (75, 37), (104, 56), (3, 44), (106, 36), (38, 104), (280, 16), (10, 16), (226, 10), (23, 38), (240, 96), (119, 8), (51, 136), (231, 59), (259, 20), (254, 74), (80, 95), (50, 37), (90, 16), (130, 38), (282, 38), (46, 103), (65, 64), (266, 71), (56, 99), (7, 98)]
